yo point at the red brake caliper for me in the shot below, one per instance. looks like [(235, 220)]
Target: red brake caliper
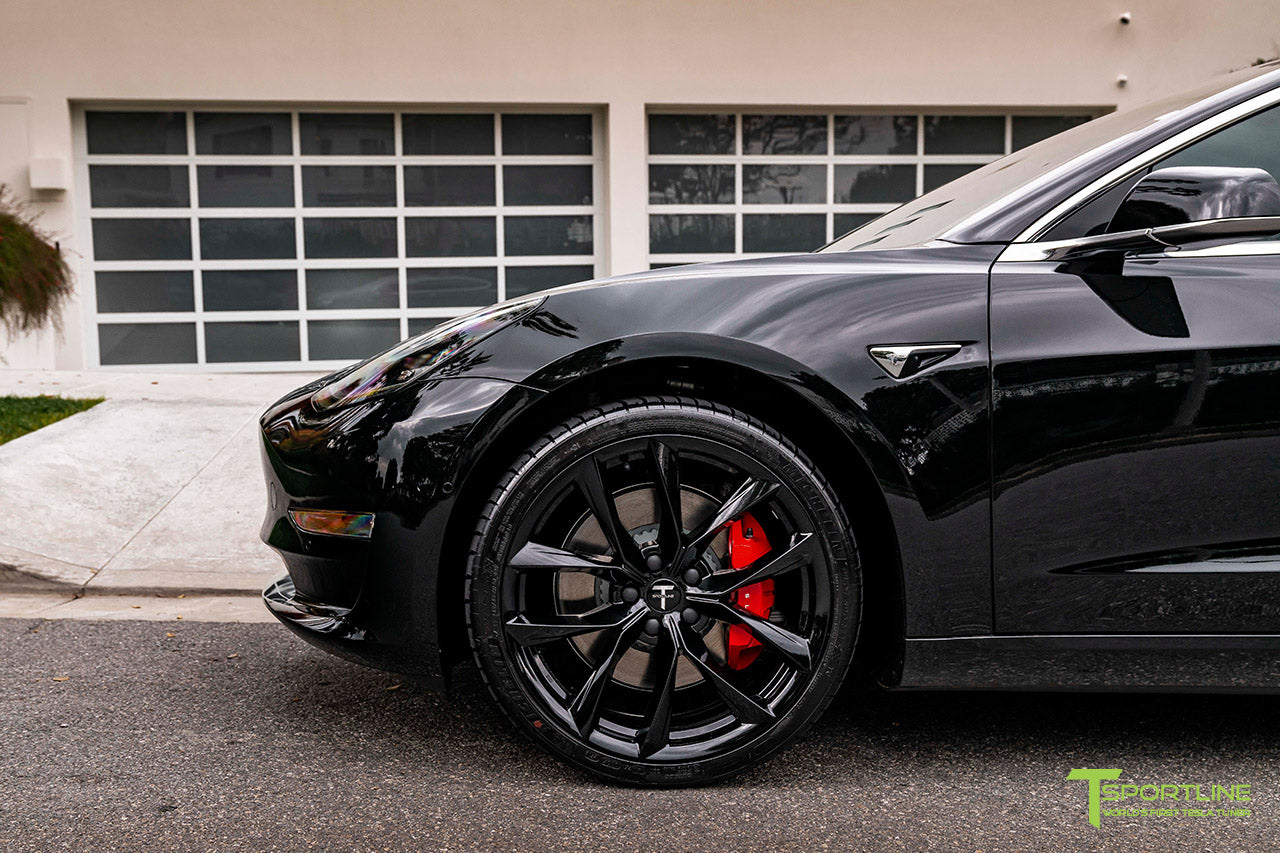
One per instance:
[(747, 543)]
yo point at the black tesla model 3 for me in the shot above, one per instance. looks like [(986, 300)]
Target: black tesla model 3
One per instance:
[(1020, 433)]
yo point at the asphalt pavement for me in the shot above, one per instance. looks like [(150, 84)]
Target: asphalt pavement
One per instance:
[(183, 735)]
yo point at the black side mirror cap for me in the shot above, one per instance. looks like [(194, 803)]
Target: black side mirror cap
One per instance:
[(1187, 194)]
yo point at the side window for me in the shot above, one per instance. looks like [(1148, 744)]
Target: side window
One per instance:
[(1252, 143)]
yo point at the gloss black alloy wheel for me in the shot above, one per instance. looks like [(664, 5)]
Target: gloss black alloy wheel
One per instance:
[(663, 591)]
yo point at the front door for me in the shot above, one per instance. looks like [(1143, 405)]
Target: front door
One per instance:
[(1136, 431)]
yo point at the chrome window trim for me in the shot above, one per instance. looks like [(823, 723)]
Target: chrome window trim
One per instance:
[(1015, 253), (1228, 250), (1022, 253)]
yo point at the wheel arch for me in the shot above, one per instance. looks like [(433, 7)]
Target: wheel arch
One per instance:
[(827, 427)]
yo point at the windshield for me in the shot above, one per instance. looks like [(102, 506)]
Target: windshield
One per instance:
[(935, 213)]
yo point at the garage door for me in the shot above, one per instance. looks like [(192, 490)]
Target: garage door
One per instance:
[(754, 183), (260, 239)]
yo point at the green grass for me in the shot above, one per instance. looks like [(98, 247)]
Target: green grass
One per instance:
[(21, 415)]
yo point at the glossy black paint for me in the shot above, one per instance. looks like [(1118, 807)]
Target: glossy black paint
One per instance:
[(1137, 446), (1196, 194), (1096, 465), (925, 440)]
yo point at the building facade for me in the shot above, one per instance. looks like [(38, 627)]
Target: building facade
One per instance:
[(293, 185)]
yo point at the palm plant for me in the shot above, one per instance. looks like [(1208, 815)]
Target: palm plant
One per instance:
[(35, 280)]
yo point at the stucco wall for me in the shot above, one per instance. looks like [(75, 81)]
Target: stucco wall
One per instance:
[(620, 55)]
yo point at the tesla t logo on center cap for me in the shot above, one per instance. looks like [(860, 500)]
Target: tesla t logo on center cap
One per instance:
[(663, 596)]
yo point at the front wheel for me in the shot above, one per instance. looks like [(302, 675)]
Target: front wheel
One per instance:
[(663, 592)]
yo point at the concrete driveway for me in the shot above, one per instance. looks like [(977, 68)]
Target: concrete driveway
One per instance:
[(158, 489)]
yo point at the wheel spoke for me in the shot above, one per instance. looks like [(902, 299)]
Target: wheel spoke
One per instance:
[(591, 484), (665, 461), (666, 655), (750, 493), (794, 648), (528, 632), (723, 584), (534, 557), (744, 707), (585, 707)]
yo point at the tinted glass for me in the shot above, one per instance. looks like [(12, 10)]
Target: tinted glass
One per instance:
[(452, 287), (875, 135), (784, 184), (226, 239), (691, 134), (546, 184), (935, 175), (243, 133), (347, 133), (141, 239), (245, 186), (703, 184), (249, 290), (147, 343), (350, 339), (449, 186), (332, 289), (450, 236), (546, 134), (258, 341), (874, 184), (1028, 130), (136, 133), (681, 233), (447, 134), (964, 134), (349, 186), (153, 290), (783, 232), (1095, 216), (843, 223), (350, 238), (522, 280), (763, 134), (548, 235), (1252, 143), (139, 186)]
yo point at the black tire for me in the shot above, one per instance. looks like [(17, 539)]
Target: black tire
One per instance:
[(669, 707)]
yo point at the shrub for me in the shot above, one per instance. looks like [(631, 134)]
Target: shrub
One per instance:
[(35, 280)]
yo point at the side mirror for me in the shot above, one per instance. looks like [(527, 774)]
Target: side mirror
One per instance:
[(1185, 194)]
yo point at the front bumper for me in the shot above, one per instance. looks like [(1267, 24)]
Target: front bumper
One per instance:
[(402, 457), (306, 619)]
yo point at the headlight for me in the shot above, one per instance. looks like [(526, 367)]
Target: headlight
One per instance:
[(416, 357)]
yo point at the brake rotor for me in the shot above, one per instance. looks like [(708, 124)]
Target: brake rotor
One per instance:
[(578, 592)]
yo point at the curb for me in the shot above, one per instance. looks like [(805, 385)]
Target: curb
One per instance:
[(22, 571)]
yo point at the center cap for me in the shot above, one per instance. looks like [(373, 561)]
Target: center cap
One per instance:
[(663, 595)]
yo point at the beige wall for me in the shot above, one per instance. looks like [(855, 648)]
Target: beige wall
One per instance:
[(621, 55)]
